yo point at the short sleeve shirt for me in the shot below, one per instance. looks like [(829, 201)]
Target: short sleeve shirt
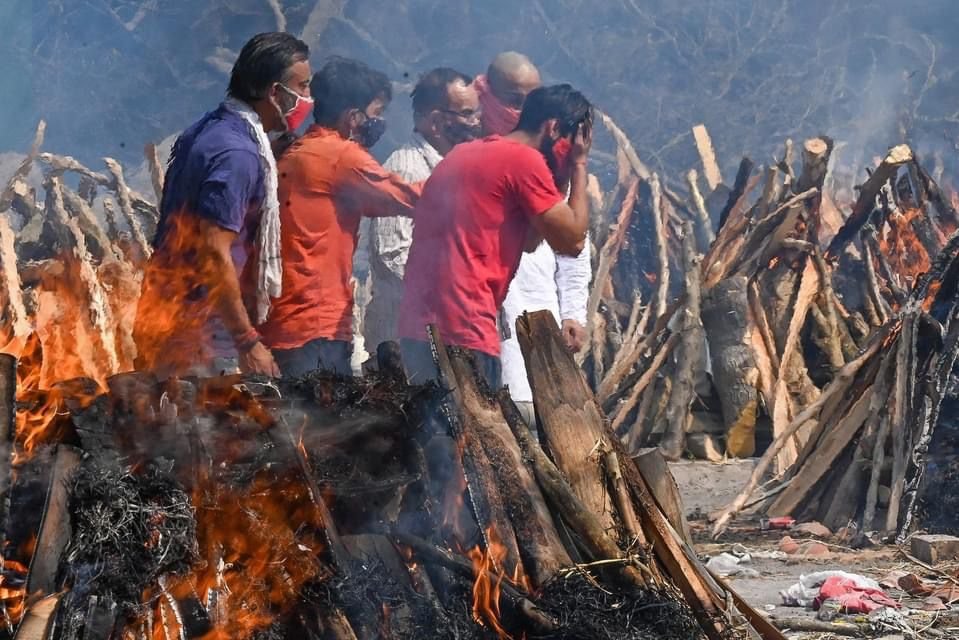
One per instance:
[(214, 173), (471, 226)]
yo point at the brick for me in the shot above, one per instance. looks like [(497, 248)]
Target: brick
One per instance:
[(933, 549), (788, 545)]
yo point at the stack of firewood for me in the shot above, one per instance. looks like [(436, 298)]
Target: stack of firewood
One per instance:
[(829, 332), (72, 269)]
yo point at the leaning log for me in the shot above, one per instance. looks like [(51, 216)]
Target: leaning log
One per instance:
[(689, 354), (571, 421), (539, 543), (897, 156)]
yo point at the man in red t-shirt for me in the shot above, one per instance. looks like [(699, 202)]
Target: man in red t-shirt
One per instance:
[(483, 204)]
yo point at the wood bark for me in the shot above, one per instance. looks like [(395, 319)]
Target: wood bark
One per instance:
[(10, 285), (488, 503), (689, 354), (704, 225), (538, 542), (571, 421), (592, 534), (662, 251), (839, 385), (8, 405), (735, 371), (54, 533), (897, 156), (707, 154)]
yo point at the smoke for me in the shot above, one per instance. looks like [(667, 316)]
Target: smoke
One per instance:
[(110, 76)]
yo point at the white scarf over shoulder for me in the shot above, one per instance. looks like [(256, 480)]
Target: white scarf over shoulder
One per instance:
[(269, 272)]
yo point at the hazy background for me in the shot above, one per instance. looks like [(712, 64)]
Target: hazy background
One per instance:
[(110, 75)]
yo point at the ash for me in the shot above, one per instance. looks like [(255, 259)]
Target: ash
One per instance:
[(587, 612), (128, 529)]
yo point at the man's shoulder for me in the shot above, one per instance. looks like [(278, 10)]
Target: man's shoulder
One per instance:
[(223, 137)]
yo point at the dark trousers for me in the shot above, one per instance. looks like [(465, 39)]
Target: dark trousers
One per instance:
[(328, 355), (420, 368)]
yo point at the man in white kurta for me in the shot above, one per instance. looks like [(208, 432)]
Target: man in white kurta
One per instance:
[(558, 284), (445, 112)]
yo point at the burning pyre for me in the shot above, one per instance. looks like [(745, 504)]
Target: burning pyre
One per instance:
[(344, 508)]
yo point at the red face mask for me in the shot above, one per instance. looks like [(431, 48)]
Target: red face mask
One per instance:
[(298, 113), (497, 118), (559, 163)]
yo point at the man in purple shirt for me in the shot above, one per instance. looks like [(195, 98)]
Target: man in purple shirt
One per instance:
[(216, 256)]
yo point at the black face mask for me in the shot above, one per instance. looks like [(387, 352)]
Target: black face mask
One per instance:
[(369, 133), (458, 131)]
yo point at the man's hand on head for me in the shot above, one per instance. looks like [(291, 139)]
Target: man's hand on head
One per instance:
[(582, 142), (574, 335)]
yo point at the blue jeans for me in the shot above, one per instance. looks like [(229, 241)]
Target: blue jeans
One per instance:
[(328, 355), (420, 368)]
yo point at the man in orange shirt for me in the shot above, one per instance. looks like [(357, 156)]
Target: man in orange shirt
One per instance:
[(328, 182)]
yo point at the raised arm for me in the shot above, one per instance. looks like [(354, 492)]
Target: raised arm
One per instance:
[(564, 225)]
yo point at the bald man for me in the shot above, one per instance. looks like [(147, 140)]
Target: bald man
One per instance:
[(559, 284), (508, 80)]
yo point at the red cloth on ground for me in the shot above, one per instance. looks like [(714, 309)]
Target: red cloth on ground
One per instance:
[(497, 118), (471, 225), (852, 597)]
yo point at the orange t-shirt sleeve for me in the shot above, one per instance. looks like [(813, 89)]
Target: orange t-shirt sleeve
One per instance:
[(370, 190), (532, 183)]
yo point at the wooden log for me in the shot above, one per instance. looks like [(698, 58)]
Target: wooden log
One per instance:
[(792, 371), (654, 469), (156, 171), (125, 201), (610, 251), (8, 405), (662, 279), (739, 189), (725, 251), (575, 513), (571, 421), (735, 370), (489, 507), (538, 542), (903, 389), (623, 143), (22, 171), (815, 162), (55, 531), (827, 451), (689, 353), (14, 309), (839, 385), (37, 622), (704, 226), (704, 145), (897, 156), (810, 625), (631, 526)]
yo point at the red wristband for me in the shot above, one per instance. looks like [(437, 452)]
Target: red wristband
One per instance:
[(247, 340)]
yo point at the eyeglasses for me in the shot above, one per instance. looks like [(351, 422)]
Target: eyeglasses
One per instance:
[(470, 115)]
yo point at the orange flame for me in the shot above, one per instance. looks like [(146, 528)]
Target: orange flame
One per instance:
[(487, 586), (905, 253), (260, 549), (13, 590)]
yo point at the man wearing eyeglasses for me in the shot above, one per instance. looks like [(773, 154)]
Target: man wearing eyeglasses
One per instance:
[(445, 113)]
